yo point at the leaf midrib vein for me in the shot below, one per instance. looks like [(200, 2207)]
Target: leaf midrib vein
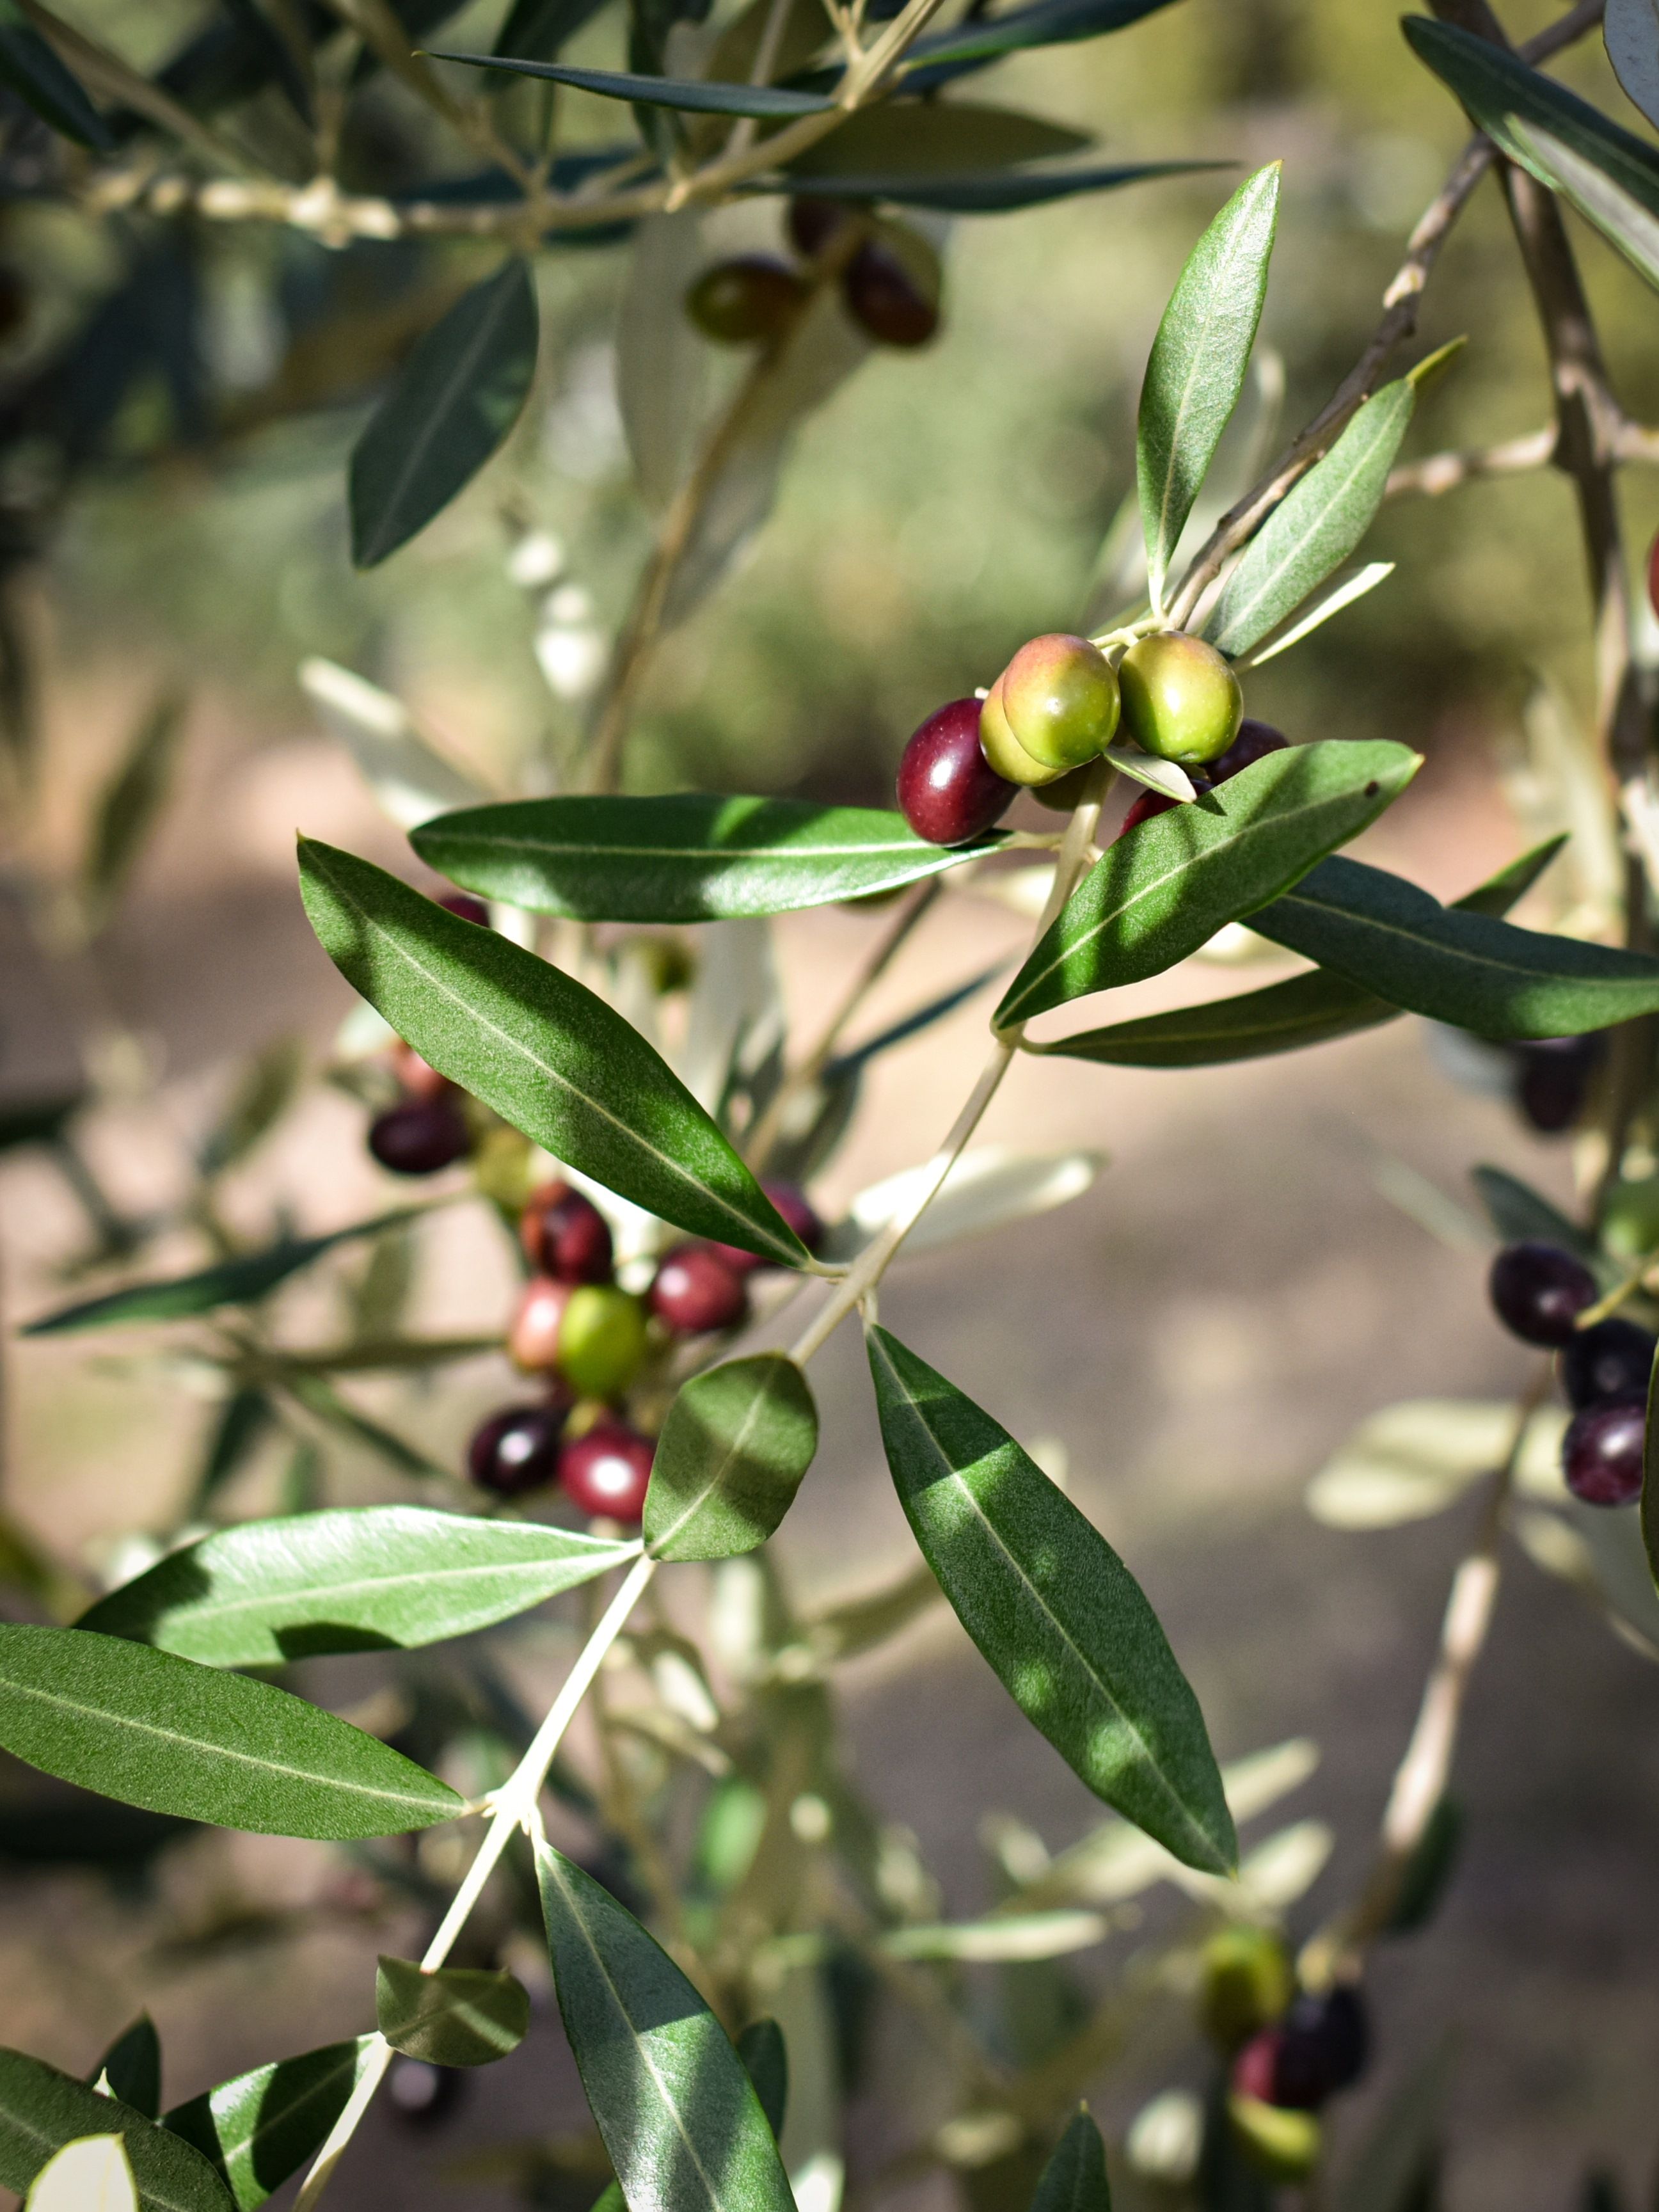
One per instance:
[(427, 1577), (761, 1400)]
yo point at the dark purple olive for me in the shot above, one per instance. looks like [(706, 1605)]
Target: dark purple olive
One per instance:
[(1255, 741), (517, 1448), (888, 300), (420, 1136), (1319, 2047), (1601, 1452), (746, 301), (564, 1235), (696, 1291), (1608, 1361), (468, 908), (948, 792), (1553, 1079), (813, 224), (1539, 1291)]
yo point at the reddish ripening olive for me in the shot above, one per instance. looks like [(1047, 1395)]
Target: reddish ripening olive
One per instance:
[(746, 301), (532, 1339), (1608, 1361), (1060, 700), (1255, 741), (1321, 2046), (948, 792), (696, 1291), (813, 224), (1552, 1079), (1145, 807), (792, 1202), (420, 1136), (1180, 700), (564, 1235), (517, 1448), (1539, 1291), (1003, 750), (414, 1078), (468, 908), (1601, 1451), (888, 291), (608, 1470)]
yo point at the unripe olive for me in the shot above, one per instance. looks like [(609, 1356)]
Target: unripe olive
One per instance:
[(746, 301), (1003, 750), (1060, 699), (602, 1341), (1180, 700), (1282, 2145), (1247, 1983), (1630, 1218)]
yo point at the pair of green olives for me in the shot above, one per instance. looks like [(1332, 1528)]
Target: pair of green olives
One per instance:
[(1059, 701)]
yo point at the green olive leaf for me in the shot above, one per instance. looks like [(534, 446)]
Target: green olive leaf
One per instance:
[(150, 1729), (690, 857), (737, 1442), (131, 2067), (1074, 2180), (93, 2174), (456, 397), (31, 66), (691, 95), (41, 2110), (1055, 1611), (550, 1057), (1154, 897), (1198, 364), (680, 2118), (450, 2015), (1470, 970), (260, 2127), (357, 1579), (1316, 526), (999, 192), (1045, 23), (934, 138), (766, 2062)]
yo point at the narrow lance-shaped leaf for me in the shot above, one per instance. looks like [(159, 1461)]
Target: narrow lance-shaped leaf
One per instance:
[(259, 2127), (550, 1058), (936, 138), (1316, 527), (1155, 896), (1304, 1010), (450, 2015), (1000, 192), (41, 2110), (1046, 23), (678, 2114), (1468, 969), (692, 95), (455, 399), (354, 1579), (1199, 361), (688, 858), (150, 1729), (1053, 1609), (92, 2175), (30, 65), (1074, 2180), (131, 2067), (766, 2062), (734, 1448)]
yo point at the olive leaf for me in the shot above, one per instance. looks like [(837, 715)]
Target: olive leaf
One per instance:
[(388, 1578), (150, 1729), (456, 397), (258, 2127), (737, 1442), (547, 1055), (1046, 23), (131, 2067), (1001, 191), (766, 2062), (690, 857), (1316, 526), (32, 68), (1199, 361), (450, 2015), (691, 95), (42, 2109), (1074, 2180), (934, 138), (1053, 1609)]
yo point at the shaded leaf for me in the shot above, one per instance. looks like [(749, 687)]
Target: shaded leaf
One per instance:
[(267, 1088), (690, 857), (1517, 1212), (1199, 361), (232, 1283), (128, 807), (680, 2118), (934, 138), (41, 2110), (1154, 897), (689, 95), (1074, 2180), (411, 780), (734, 1448), (450, 2015), (1631, 28), (246, 1417), (660, 353), (454, 400), (766, 2062), (92, 2175), (900, 1032), (1046, 23), (1002, 192), (319, 1398), (260, 2127), (131, 2067), (354, 1579), (1469, 970), (1052, 1608), (1316, 526), (30, 65), (150, 1729), (547, 1055)]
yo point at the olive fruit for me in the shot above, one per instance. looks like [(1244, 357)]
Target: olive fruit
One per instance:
[(1607, 1361), (532, 1338), (1653, 575), (421, 1135), (1255, 741), (1003, 750), (697, 1290), (1552, 1079), (419, 2093), (564, 1235), (517, 1448), (891, 289), (1319, 2047), (1601, 1451), (468, 908), (416, 1077), (602, 1340), (1630, 1218), (1247, 1984), (1060, 699), (1066, 792), (1145, 807), (608, 1470), (948, 792), (813, 222), (1539, 1291), (1284, 2145), (1180, 700), (747, 300)]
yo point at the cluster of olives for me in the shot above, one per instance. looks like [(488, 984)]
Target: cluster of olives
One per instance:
[(1289, 2049), (587, 1339), (890, 284), (1539, 1291), (1055, 708)]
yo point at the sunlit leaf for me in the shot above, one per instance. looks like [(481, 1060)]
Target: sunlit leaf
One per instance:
[(737, 1442), (354, 1579), (450, 2015), (1052, 1608), (151, 1729), (42, 2109), (259, 2127), (92, 2175)]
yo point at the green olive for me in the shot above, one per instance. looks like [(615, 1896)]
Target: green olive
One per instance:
[(1003, 750), (1061, 698), (1279, 2142), (601, 1341), (1629, 1219), (1247, 1984), (1180, 699)]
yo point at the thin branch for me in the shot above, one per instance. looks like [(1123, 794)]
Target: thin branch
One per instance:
[(1444, 473)]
